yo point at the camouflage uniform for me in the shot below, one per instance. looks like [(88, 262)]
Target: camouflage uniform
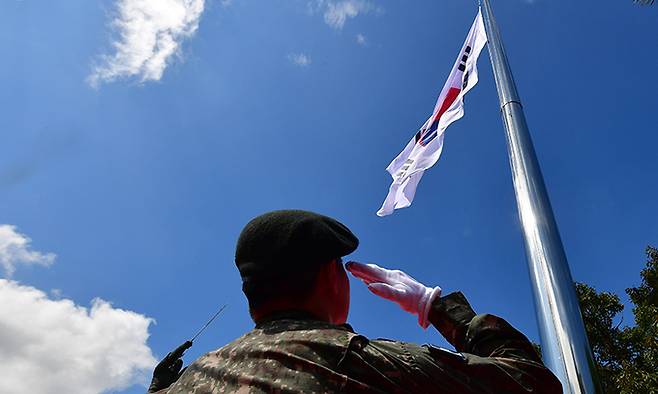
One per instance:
[(293, 353)]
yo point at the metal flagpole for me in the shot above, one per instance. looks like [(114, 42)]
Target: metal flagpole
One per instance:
[(564, 343)]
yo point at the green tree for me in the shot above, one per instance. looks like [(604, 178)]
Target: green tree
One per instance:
[(626, 357), (599, 311)]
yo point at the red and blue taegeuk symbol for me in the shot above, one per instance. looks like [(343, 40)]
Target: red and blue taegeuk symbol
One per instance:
[(425, 136)]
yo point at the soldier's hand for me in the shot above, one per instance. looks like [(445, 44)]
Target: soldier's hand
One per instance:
[(169, 369), (413, 296)]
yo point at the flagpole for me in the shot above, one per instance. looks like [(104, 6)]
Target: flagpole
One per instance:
[(564, 344)]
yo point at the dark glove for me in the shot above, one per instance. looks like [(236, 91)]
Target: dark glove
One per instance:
[(169, 369)]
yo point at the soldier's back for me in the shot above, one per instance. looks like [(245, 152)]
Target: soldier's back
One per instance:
[(309, 356), (286, 356)]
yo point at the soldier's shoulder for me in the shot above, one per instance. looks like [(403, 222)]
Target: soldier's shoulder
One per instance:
[(390, 349), (394, 345), (408, 351)]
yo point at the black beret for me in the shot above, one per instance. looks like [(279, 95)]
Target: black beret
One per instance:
[(281, 243)]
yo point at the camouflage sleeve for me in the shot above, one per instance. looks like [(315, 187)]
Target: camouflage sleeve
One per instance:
[(492, 348)]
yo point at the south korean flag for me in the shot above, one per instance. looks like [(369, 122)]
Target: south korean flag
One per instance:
[(425, 147)]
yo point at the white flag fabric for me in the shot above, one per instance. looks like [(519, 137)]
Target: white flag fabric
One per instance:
[(425, 147)]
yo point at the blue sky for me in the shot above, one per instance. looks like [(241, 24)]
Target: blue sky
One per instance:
[(140, 185)]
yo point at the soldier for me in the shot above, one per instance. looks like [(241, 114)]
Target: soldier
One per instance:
[(299, 296)]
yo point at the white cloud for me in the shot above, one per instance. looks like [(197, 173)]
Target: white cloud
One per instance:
[(54, 346), (336, 13), (361, 39), (300, 59), (149, 33), (15, 251)]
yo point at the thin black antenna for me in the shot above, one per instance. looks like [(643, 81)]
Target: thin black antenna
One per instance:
[(207, 324)]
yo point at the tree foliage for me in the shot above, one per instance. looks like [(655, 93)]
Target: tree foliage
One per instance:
[(626, 356)]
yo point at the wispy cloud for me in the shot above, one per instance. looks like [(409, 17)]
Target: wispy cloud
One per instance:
[(300, 59), (60, 347), (15, 251), (361, 39), (148, 33), (336, 13)]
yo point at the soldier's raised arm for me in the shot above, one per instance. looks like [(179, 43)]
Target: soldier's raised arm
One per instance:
[(493, 355)]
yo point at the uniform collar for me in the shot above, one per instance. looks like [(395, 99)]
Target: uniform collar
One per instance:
[(298, 315)]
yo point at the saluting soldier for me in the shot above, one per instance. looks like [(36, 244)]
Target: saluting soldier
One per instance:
[(299, 297)]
